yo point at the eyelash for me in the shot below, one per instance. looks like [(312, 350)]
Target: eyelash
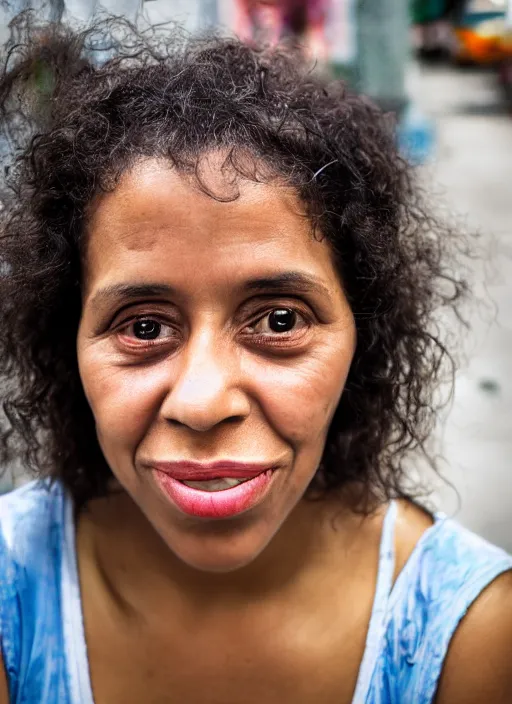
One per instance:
[(277, 339)]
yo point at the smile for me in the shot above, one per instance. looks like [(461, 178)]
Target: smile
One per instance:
[(220, 484), (218, 497)]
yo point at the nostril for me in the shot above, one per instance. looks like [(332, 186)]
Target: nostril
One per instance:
[(174, 422), (234, 419)]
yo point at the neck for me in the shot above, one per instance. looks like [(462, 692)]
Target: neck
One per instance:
[(136, 566)]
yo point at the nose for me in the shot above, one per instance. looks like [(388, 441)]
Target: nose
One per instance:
[(206, 390)]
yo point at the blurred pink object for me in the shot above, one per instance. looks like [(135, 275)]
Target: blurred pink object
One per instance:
[(271, 20)]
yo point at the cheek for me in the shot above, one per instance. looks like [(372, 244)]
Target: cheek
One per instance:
[(124, 401), (299, 399)]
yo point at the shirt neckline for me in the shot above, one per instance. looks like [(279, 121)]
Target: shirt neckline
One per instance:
[(79, 679), (75, 645), (386, 569)]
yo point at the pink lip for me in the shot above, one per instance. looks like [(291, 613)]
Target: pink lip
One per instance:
[(216, 504)]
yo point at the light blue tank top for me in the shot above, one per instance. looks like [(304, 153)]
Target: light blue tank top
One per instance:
[(41, 629)]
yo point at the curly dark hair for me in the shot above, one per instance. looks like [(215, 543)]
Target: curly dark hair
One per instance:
[(75, 122)]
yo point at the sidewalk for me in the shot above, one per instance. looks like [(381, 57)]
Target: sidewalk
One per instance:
[(473, 165)]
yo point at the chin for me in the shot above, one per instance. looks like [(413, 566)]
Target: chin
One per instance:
[(217, 564), (221, 553)]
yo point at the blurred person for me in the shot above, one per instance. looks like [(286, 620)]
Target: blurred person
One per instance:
[(433, 26), (273, 20), (220, 333)]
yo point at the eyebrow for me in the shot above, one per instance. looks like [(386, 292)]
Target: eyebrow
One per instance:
[(129, 292), (288, 282)]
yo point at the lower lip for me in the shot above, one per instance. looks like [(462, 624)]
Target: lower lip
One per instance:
[(215, 504)]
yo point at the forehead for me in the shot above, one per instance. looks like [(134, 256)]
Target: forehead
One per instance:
[(159, 223)]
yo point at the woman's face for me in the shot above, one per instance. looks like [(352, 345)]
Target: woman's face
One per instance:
[(213, 348)]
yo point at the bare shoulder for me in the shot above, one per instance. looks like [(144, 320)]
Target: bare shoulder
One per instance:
[(477, 667), (411, 522), (4, 694)]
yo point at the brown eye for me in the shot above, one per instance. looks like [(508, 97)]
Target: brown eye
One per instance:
[(145, 333), (146, 329), (280, 323), (282, 320)]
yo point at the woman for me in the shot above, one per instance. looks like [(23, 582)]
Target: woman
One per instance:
[(217, 293)]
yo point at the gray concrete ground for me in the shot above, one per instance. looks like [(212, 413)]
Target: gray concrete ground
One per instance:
[(472, 169)]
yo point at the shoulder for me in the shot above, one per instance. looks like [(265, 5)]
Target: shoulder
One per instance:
[(30, 528), (26, 512), (30, 548), (477, 665), (447, 561), (447, 576)]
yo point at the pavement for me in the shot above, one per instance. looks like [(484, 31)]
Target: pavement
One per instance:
[(471, 172)]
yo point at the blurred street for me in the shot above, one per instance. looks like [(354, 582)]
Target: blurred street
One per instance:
[(472, 169)]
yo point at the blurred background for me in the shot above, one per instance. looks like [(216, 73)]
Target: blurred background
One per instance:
[(444, 67)]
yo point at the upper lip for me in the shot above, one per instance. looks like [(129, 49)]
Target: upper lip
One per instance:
[(203, 471)]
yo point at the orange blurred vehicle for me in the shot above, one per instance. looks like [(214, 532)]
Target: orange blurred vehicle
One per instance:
[(481, 32)]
